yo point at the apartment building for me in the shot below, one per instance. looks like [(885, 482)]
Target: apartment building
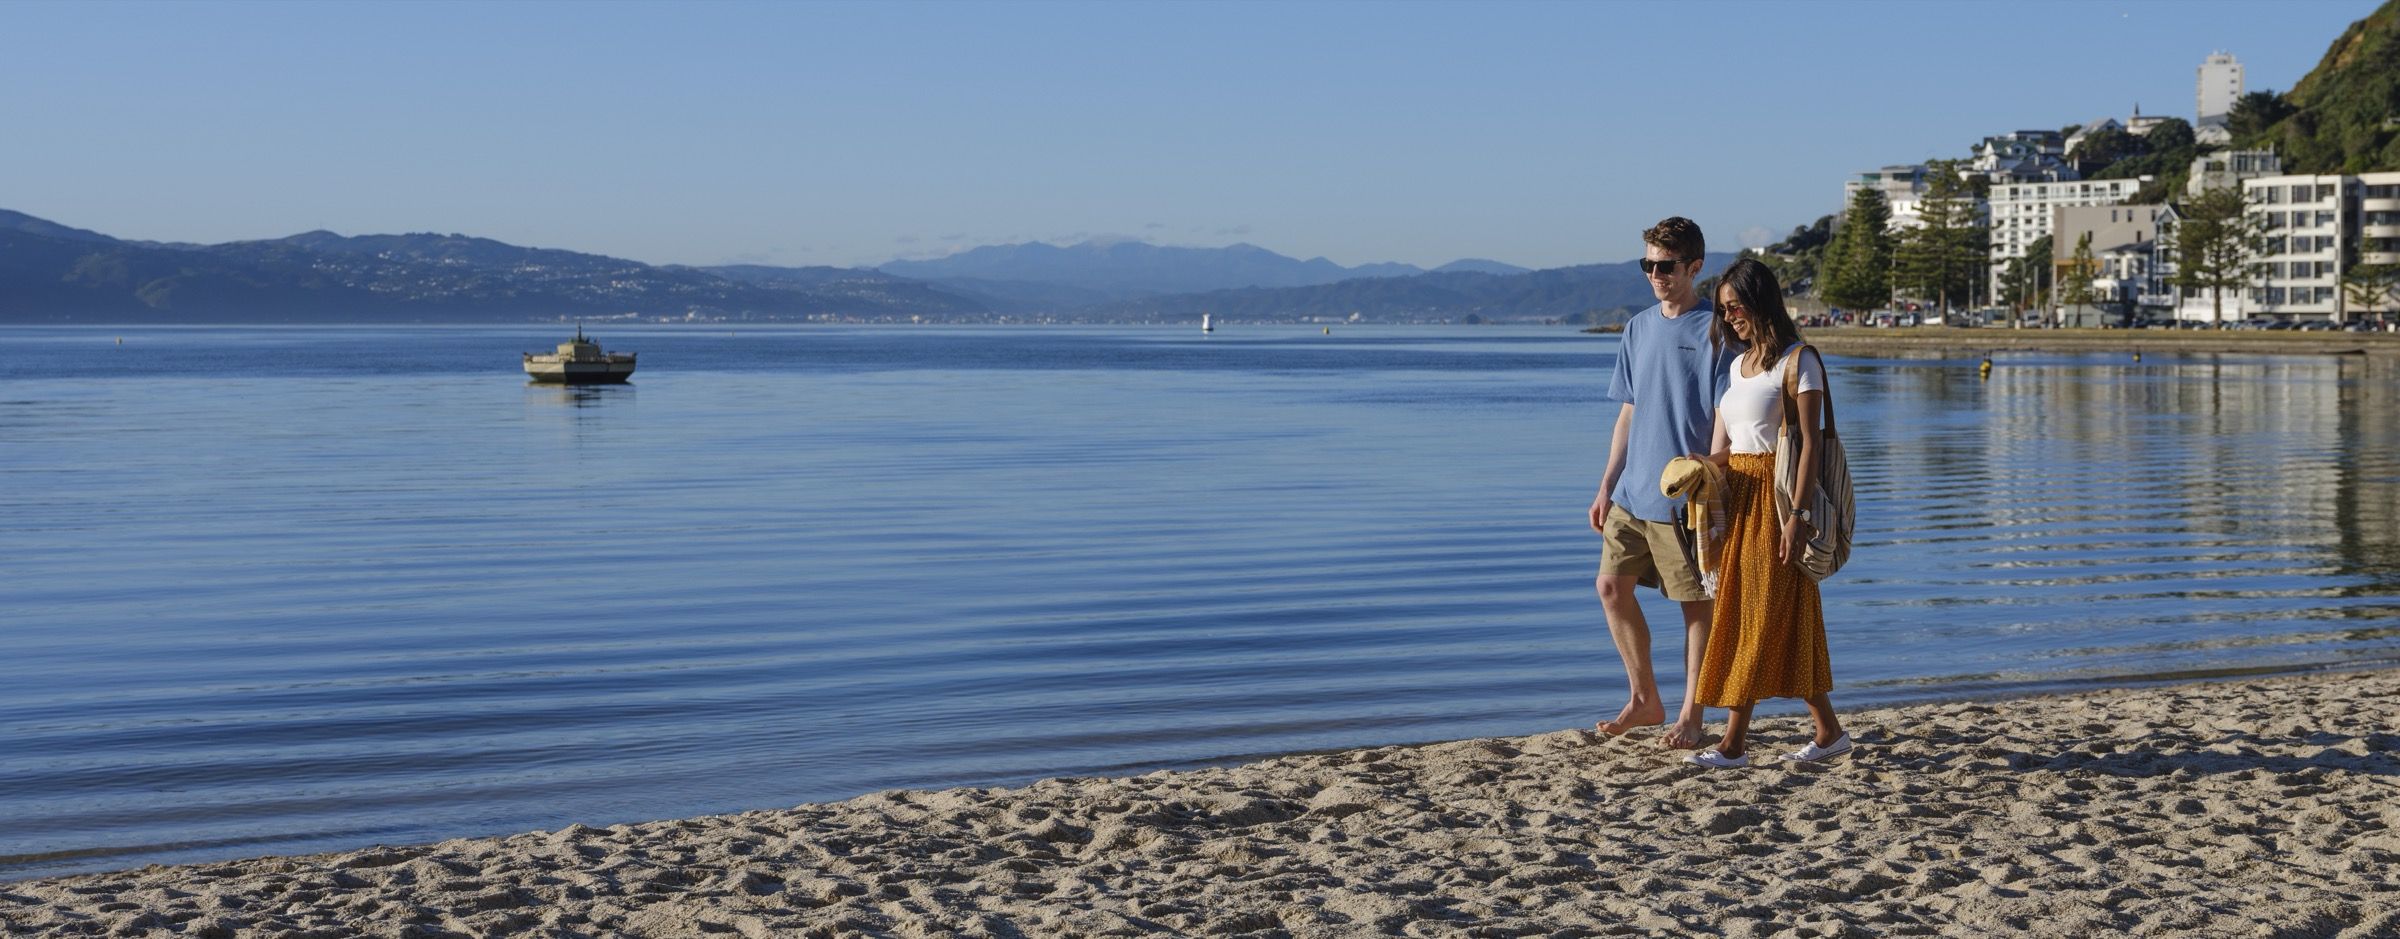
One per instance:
[(2299, 270), (2021, 213), (2227, 168), (2127, 272), (2220, 86), (1903, 186)]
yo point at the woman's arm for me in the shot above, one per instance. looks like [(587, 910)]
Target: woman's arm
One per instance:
[(1720, 443), (1804, 480)]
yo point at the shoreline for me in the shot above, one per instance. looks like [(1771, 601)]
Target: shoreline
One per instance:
[(2202, 808), (1919, 341)]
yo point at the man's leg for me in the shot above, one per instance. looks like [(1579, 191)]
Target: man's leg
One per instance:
[(1632, 635), (1690, 720)]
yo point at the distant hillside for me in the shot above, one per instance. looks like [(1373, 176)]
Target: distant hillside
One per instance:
[(53, 273), (26, 224), (1127, 269), (2345, 113), (1480, 266), (1589, 293)]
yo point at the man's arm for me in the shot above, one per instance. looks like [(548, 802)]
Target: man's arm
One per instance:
[(1616, 467)]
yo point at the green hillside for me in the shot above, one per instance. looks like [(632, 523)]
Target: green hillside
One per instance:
[(2344, 115)]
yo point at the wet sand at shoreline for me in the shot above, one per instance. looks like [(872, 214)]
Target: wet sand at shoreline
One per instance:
[(2257, 807)]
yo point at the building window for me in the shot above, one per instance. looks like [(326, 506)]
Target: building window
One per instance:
[(2324, 192)]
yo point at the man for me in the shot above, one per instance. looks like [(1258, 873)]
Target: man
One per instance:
[(1669, 375)]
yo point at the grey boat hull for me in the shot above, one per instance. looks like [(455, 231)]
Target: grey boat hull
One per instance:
[(578, 373)]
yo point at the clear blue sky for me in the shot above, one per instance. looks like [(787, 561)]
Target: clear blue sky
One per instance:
[(1539, 134)]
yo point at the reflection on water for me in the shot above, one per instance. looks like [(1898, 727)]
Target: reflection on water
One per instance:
[(581, 396), (2120, 520), (256, 602)]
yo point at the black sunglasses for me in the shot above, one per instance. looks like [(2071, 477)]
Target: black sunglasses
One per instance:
[(1653, 267)]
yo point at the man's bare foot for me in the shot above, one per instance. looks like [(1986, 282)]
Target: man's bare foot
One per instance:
[(1636, 714), (1686, 733)]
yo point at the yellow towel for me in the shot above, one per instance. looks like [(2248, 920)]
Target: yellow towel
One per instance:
[(1701, 484)]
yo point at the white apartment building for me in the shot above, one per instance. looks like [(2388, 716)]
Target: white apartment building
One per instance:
[(2378, 218), (2299, 271), (1903, 186), (2219, 87), (2227, 168), (2021, 213), (2316, 228)]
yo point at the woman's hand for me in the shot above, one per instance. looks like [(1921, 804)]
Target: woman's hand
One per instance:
[(1787, 548)]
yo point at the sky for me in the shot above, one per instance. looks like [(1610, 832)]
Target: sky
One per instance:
[(850, 134)]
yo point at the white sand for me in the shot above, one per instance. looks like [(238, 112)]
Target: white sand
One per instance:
[(2257, 808)]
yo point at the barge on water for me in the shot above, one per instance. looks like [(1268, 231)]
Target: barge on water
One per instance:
[(579, 363)]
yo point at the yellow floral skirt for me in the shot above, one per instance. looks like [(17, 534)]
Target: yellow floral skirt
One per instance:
[(1767, 639)]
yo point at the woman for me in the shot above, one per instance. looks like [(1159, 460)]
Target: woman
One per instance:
[(1768, 636)]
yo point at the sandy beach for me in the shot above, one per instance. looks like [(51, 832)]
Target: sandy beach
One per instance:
[(2242, 808)]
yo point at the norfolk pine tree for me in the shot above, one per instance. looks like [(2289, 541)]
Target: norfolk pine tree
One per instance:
[(2214, 245), (1941, 256), (1856, 271), (2368, 287)]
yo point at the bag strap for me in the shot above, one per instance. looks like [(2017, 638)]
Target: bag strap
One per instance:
[(1791, 387)]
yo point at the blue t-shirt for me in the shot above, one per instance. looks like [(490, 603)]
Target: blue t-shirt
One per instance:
[(1668, 372)]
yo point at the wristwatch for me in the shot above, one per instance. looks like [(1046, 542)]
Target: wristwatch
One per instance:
[(1802, 515)]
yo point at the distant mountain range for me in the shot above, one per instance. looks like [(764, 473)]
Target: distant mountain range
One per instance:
[(56, 273), (1124, 269)]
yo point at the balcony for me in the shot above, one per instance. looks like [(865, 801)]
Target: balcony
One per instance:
[(2379, 205), (2380, 230)]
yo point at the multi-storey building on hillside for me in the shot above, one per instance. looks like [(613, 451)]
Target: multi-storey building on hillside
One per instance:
[(2219, 87), (2300, 267), (2226, 168), (2315, 230), (2021, 213), (1902, 185)]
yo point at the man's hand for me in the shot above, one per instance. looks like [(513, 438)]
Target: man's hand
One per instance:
[(1600, 513)]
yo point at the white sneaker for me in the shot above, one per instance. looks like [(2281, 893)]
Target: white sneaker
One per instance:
[(1813, 753), (1713, 760)]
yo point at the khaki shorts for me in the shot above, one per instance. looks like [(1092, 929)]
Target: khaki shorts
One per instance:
[(1660, 554)]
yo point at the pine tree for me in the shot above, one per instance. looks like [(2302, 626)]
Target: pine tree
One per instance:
[(1856, 271), (2215, 244), (1942, 258)]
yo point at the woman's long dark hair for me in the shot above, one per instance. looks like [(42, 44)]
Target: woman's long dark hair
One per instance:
[(1754, 287)]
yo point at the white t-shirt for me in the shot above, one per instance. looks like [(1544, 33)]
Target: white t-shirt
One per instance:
[(1752, 408)]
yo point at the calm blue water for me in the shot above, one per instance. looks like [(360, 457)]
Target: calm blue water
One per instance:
[(284, 590)]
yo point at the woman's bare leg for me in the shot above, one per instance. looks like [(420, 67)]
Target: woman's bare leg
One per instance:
[(1737, 730), (1829, 727)]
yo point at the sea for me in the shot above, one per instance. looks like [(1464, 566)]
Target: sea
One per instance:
[(277, 590)]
